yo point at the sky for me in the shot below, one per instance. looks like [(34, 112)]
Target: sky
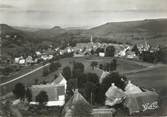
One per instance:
[(78, 13)]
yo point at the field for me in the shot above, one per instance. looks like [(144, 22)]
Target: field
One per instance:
[(155, 78), (123, 66)]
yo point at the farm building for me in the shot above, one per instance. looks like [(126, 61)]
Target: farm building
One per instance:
[(56, 94)]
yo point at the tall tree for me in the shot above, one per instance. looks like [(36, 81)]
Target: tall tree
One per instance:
[(94, 64), (78, 68), (114, 64), (136, 50), (110, 51), (28, 94), (67, 72), (90, 89), (92, 77), (19, 90), (54, 66)]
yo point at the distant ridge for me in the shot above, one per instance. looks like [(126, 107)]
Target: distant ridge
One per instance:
[(152, 30), (150, 25)]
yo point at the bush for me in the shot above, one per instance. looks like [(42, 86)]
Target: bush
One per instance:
[(7, 70), (45, 71), (19, 90), (42, 98), (54, 66)]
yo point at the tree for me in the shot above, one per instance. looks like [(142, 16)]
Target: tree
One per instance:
[(45, 71), (81, 80), (135, 49), (42, 98), (101, 66), (81, 109), (54, 66), (98, 50), (99, 94), (113, 77), (162, 54), (19, 90), (36, 81), (94, 64), (78, 68), (55, 76), (67, 72), (110, 51), (92, 77), (151, 57), (92, 52), (71, 85), (89, 91), (28, 94), (7, 70), (114, 64)]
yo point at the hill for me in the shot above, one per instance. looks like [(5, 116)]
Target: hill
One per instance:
[(155, 25), (28, 29), (14, 41), (132, 31), (22, 40), (49, 33)]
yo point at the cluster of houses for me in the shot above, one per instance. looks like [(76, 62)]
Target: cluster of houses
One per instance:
[(39, 56), (85, 49), (145, 46), (136, 99)]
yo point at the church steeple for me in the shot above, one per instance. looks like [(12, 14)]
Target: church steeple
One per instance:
[(91, 39)]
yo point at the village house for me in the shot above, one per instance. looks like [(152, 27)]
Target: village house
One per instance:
[(55, 90), (56, 94)]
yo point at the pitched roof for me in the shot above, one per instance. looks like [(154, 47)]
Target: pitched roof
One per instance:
[(58, 79), (104, 74), (77, 97), (74, 99)]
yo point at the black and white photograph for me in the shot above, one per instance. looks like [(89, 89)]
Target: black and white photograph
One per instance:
[(83, 58)]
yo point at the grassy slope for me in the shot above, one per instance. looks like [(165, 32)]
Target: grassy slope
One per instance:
[(134, 31), (155, 78)]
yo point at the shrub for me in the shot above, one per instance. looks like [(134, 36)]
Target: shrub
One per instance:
[(42, 98), (19, 90)]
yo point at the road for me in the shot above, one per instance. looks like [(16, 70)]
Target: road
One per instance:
[(22, 76)]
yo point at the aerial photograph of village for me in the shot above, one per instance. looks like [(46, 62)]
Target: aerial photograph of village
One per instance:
[(83, 58)]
